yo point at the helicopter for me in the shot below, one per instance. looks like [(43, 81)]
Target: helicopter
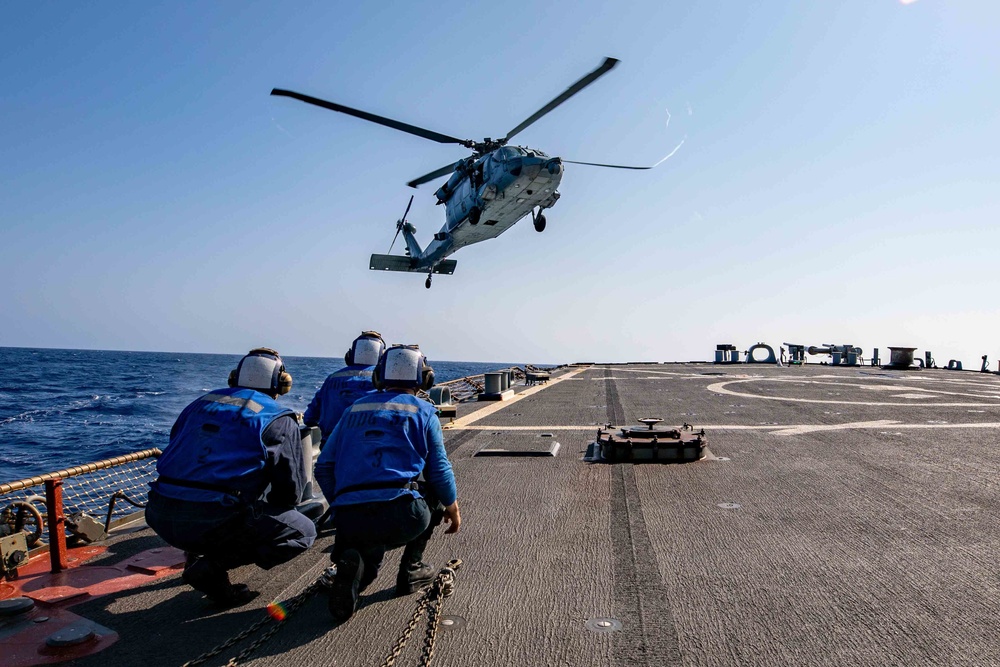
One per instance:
[(487, 192)]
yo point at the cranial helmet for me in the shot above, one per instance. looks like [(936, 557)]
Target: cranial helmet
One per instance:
[(263, 370), (366, 349), (403, 366)]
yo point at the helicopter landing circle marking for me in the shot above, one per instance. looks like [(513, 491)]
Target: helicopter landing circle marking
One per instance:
[(909, 391)]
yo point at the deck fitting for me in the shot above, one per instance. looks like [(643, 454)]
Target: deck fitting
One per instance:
[(650, 443), (15, 606), (71, 635), (602, 624), (452, 622)]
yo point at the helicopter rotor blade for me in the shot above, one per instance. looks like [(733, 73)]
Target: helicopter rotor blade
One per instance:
[(437, 173), (399, 225), (394, 239), (568, 93), (609, 166), (364, 115)]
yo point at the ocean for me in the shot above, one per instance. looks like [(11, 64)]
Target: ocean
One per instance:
[(60, 408)]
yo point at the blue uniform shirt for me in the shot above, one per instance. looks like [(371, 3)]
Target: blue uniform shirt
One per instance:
[(385, 438), (338, 392), (239, 439)]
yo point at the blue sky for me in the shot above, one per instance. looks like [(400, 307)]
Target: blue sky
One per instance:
[(837, 181)]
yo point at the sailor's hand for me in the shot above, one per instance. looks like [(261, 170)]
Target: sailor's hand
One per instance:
[(452, 516)]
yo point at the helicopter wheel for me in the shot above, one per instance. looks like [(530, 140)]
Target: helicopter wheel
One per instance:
[(540, 223), (427, 283), (475, 214)]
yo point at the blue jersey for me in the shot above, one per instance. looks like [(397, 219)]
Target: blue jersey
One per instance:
[(338, 392), (383, 441), (217, 445)]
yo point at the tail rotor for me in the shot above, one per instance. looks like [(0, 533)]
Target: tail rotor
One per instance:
[(399, 225)]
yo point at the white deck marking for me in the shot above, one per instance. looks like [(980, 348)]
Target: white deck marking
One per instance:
[(774, 429), (473, 417), (644, 370), (720, 387), (591, 427)]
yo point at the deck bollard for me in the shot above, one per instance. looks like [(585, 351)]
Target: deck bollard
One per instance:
[(493, 383), (901, 357)]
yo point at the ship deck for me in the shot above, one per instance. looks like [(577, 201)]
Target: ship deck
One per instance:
[(844, 516)]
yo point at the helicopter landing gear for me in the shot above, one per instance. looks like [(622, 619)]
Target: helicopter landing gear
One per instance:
[(539, 221), (427, 283), (475, 214)]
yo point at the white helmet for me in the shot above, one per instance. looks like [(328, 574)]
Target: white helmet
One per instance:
[(365, 350), (403, 366), (261, 369)]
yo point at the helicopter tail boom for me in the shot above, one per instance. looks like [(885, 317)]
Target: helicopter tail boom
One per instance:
[(402, 263)]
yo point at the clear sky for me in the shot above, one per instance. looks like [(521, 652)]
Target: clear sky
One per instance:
[(838, 180)]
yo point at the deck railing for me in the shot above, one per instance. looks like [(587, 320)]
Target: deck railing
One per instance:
[(91, 488)]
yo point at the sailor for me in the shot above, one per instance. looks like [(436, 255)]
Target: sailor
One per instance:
[(369, 471), (225, 449), (347, 385)]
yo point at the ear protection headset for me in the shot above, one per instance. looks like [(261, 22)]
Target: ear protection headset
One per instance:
[(263, 370), (352, 355), (403, 366)]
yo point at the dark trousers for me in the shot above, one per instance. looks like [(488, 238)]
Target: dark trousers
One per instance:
[(374, 528), (231, 536)]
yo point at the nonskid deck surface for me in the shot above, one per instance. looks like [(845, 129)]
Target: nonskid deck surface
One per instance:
[(847, 516)]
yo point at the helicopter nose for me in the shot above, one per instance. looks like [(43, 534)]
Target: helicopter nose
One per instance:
[(554, 166)]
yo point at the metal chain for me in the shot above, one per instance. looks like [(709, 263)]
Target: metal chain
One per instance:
[(442, 587), (290, 606), (433, 623), (432, 597), (226, 644), (397, 648)]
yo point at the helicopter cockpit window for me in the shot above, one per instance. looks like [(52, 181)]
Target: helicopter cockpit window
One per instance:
[(510, 152)]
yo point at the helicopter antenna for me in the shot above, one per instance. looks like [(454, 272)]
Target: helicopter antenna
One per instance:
[(399, 225)]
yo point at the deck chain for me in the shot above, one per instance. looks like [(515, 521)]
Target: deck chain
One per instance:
[(433, 598), (290, 606)]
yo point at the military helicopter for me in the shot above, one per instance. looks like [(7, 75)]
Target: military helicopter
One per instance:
[(487, 192)]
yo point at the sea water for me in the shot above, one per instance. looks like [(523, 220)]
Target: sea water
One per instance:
[(60, 408)]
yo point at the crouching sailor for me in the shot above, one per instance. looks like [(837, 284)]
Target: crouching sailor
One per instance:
[(225, 449), (347, 385), (369, 470)]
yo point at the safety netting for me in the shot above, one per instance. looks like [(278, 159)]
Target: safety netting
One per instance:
[(105, 491)]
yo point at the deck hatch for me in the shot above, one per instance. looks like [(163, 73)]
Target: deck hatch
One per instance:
[(544, 449), (502, 443)]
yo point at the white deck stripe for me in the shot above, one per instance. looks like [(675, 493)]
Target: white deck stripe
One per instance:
[(775, 429), (473, 417)]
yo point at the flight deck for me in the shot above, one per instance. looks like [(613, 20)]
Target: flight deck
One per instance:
[(840, 516)]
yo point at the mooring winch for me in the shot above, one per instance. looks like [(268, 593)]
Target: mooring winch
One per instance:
[(650, 443)]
